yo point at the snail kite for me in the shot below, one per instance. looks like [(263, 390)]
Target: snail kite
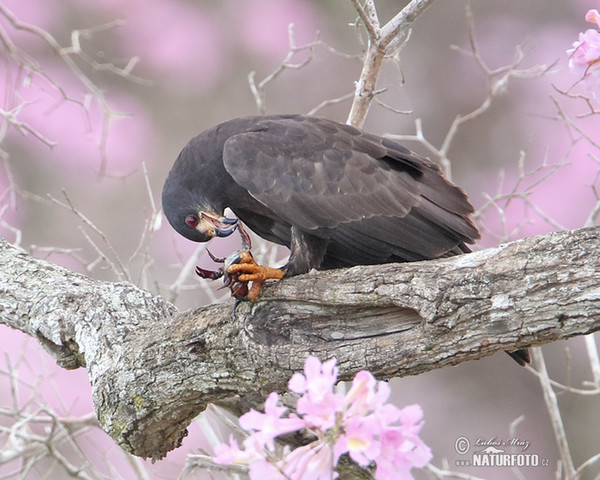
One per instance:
[(335, 195)]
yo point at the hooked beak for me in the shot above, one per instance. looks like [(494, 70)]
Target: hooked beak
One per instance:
[(214, 226)]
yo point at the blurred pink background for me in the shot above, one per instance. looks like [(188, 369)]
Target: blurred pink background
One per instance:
[(194, 59)]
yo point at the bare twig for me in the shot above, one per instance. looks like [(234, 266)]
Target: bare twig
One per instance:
[(573, 125), (15, 231), (554, 411), (382, 41), (332, 101), (112, 259), (151, 224), (521, 191), (588, 463), (595, 211), (567, 388), (24, 128), (592, 351), (258, 89), (497, 80), (55, 446), (66, 54), (589, 104)]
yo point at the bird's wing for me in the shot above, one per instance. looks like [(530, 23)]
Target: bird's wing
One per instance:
[(324, 177)]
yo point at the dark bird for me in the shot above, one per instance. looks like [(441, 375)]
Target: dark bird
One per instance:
[(335, 195)]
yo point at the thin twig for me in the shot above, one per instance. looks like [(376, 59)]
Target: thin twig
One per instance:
[(258, 89), (117, 266), (65, 54), (369, 20), (331, 101), (176, 287), (382, 42), (555, 416), (521, 192), (151, 224)]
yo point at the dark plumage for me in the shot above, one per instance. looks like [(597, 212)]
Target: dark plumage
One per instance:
[(334, 195)]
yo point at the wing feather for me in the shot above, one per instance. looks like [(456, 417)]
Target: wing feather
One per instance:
[(369, 195)]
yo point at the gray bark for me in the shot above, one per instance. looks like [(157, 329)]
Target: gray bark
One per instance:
[(395, 320)]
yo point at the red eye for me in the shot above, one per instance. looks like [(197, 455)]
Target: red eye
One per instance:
[(191, 220)]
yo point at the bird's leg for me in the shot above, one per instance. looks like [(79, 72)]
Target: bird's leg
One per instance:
[(248, 270), (246, 241)]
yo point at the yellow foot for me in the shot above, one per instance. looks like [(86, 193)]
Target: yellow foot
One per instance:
[(248, 270)]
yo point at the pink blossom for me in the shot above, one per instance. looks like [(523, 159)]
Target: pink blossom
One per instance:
[(263, 469), (318, 379), (231, 453), (319, 404), (401, 447), (360, 424), (268, 425), (593, 16), (365, 395), (314, 461), (360, 440), (584, 57)]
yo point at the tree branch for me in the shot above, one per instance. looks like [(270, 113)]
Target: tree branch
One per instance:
[(382, 42), (395, 320)]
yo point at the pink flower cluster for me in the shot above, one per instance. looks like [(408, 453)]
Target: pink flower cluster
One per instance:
[(359, 423), (584, 57)]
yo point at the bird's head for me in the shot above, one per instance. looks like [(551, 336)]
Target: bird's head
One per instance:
[(191, 218), (203, 226), (192, 196), (198, 225)]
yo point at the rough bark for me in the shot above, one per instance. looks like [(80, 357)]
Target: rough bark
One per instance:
[(395, 320)]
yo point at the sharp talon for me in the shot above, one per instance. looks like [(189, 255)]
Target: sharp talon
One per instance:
[(247, 270), (239, 268)]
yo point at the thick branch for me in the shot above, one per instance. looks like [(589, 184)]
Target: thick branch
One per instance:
[(394, 320)]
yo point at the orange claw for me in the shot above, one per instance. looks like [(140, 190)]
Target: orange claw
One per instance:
[(249, 271)]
